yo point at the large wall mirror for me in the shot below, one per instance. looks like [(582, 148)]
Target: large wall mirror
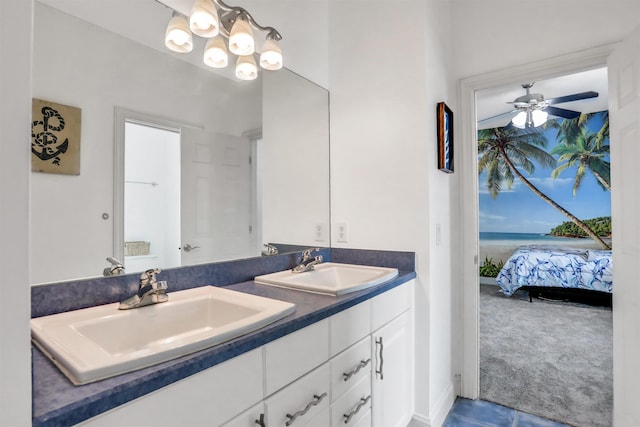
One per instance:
[(172, 155)]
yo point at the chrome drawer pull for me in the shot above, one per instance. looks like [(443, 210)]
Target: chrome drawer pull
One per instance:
[(363, 401), (316, 400), (361, 365), (379, 371)]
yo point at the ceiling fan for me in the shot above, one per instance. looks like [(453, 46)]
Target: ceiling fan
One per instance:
[(532, 110)]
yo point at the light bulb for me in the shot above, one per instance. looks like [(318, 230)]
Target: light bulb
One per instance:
[(246, 68), (215, 53), (520, 120), (241, 40), (539, 117), (271, 56), (203, 20), (178, 37)]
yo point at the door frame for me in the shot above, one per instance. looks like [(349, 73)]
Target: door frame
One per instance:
[(469, 363)]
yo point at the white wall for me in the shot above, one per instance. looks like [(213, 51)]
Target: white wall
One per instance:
[(79, 64), (303, 26), (388, 68), (490, 35), (15, 116)]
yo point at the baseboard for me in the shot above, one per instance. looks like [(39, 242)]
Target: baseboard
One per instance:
[(443, 405), (438, 412), (419, 421), (488, 281)]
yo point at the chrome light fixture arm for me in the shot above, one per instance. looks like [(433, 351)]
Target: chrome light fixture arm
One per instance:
[(232, 13)]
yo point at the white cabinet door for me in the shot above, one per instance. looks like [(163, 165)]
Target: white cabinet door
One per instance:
[(392, 384)]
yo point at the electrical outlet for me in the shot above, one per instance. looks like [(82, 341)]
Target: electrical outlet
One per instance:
[(318, 232), (341, 229)]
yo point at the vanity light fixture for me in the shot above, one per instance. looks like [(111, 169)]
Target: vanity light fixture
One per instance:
[(178, 37), (213, 19), (246, 68)]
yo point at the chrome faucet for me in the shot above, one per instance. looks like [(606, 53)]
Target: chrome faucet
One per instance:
[(150, 291), (306, 261), (116, 267), (269, 249)]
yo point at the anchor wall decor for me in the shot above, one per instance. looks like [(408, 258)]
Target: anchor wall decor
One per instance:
[(55, 138)]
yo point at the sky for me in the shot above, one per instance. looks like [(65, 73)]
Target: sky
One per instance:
[(519, 210)]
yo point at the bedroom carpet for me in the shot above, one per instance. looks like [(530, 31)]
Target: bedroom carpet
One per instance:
[(551, 359)]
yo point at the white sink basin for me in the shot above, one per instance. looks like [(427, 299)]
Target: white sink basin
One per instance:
[(100, 342), (330, 278)]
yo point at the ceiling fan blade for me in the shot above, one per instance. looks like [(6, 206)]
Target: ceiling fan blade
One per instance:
[(561, 112), (574, 97), (497, 121)]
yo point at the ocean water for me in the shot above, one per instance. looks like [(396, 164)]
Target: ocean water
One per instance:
[(490, 238), (491, 235)]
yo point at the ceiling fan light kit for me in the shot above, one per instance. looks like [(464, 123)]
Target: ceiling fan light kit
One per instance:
[(532, 109)]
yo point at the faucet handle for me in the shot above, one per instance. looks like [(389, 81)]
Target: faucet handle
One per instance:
[(149, 276), (306, 254)]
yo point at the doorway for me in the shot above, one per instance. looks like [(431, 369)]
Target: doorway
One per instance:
[(547, 357), (151, 196), (469, 309)]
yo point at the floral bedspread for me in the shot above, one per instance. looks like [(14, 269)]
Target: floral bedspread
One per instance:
[(555, 266)]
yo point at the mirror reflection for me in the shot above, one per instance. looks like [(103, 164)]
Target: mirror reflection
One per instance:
[(178, 165)]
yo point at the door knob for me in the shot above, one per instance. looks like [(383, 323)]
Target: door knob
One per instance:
[(189, 248)]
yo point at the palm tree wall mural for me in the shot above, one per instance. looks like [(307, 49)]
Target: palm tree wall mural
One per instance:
[(549, 156)]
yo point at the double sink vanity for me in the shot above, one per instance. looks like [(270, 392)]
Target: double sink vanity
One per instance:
[(276, 347)]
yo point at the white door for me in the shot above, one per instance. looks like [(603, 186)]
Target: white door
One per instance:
[(216, 208), (391, 384), (624, 108)]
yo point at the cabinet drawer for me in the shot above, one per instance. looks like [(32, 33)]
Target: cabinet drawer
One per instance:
[(365, 421), (389, 305), (249, 418), (349, 367), (323, 419), (294, 355), (349, 326), (353, 405), (210, 397), (302, 401)]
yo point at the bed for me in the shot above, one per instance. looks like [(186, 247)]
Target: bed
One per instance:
[(538, 268)]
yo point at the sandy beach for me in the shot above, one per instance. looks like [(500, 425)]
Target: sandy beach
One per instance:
[(501, 250)]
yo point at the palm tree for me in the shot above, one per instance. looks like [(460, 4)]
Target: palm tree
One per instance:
[(504, 150), (586, 152), (570, 131)]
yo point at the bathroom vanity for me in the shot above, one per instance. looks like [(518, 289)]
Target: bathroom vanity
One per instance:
[(337, 360)]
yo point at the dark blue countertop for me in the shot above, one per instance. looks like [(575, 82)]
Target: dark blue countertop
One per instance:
[(57, 402)]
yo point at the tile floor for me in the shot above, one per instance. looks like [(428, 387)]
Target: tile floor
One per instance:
[(479, 413)]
